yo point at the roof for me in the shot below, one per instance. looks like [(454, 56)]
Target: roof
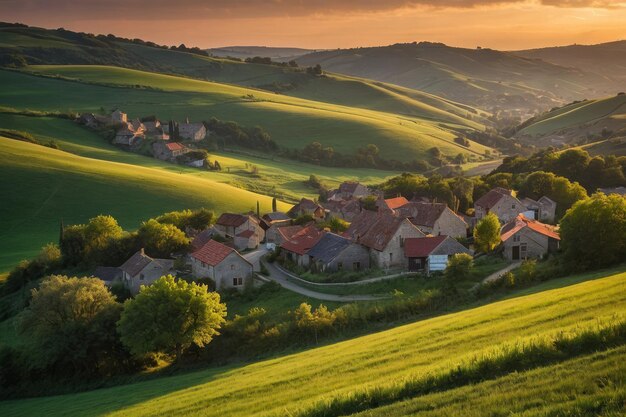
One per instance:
[(136, 263), (349, 187), (305, 204), (423, 214), (275, 216), (374, 230), (492, 197), (521, 221), (304, 240), (203, 237), (107, 273), (328, 247), (394, 203), (175, 146), (212, 253), (421, 247), (287, 232), (615, 190), (246, 234), (231, 219)]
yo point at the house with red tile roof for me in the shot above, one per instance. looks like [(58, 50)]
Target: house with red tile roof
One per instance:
[(168, 151), (349, 190), (223, 264), (434, 218), (383, 233), (390, 204), (524, 238), (140, 269), (501, 202), (295, 248), (307, 206), (431, 253), (231, 225)]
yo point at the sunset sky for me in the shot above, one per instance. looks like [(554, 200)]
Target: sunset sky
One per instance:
[(505, 24)]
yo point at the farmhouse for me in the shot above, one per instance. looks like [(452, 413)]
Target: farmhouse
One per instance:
[(224, 265), (391, 204), (431, 253), (343, 209), (108, 274), (128, 136), (337, 253), (192, 131), (348, 190), (295, 249), (543, 209), (271, 222), (524, 238), (434, 219), (284, 233), (501, 202), (307, 206), (140, 269), (119, 117), (168, 151), (383, 234), (203, 237), (231, 224), (154, 129), (247, 239)]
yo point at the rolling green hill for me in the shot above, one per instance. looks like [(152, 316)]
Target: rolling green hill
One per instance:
[(486, 78), (577, 121), (292, 122), (294, 382)]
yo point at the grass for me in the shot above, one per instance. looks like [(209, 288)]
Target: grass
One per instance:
[(292, 122), (300, 380)]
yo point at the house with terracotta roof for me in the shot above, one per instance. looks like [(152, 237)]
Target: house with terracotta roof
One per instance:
[(200, 239), (501, 202), (232, 224), (119, 117), (223, 264), (283, 233), (337, 253), (295, 249), (434, 219), (524, 238), (383, 233), (307, 206), (349, 190), (168, 151), (343, 209), (270, 222), (390, 204), (431, 253), (192, 131), (140, 269)]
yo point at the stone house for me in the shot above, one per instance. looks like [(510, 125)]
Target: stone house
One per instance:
[(192, 131), (140, 269), (108, 274), (281, 234), (434, 218), (337, 253), (119, 117), (247, 239), (307, 206), (200, 239), (343, 209), (524, 238), (383, 234), (295, 249), (390, 204), (501, 202), (127, 135), (429, 254), (224, 265), (168, 151), (155, 130), (231, 224), (544, 209), (349, 190), (270, 222)]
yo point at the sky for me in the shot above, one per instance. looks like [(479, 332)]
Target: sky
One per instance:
[(327, 24)]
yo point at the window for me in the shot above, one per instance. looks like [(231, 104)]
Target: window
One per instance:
[(232, 267), (339, 265), (401, 241), (390, 257), (203, 264), (516, 238), (141, 277), (237, 282), (523, 250), (356, 266)]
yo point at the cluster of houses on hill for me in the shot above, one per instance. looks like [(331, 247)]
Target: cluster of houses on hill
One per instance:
[(166, 138), (402, 235)]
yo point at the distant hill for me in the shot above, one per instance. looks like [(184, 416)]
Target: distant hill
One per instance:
[(485, 78), (276, 53), (608, 59), (587, 120)]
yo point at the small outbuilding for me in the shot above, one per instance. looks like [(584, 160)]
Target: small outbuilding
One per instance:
[(430, 253), (336, 253)]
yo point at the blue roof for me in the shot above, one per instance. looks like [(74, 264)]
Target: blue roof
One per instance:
[(328, 247)]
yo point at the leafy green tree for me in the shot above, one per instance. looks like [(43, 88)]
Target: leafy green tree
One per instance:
[(593, 231), (169, 316), (336, 225), (70, 325), (459, 267), (487, 233), (161, 240), (317, 320), (559, 189), (99, 233)]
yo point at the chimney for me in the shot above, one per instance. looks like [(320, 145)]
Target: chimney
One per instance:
[(142, 251)]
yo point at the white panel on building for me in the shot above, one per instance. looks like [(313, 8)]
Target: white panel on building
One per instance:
[(437, 262)]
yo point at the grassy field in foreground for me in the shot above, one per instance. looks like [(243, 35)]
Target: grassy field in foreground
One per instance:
[(42, 186), (271, 387), (292, 122)]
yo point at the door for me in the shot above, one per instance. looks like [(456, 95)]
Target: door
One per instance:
[(515, 253)]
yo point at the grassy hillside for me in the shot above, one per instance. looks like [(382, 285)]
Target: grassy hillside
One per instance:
[(292, 122), (607, 58), (484, 77), (577, 120), (276, 53), (279, 386)]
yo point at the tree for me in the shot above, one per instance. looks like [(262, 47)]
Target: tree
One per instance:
[(161, 240), (559, 189), (593, 231), (487, 233), (274, 205), (70, 324), (180, 314), (318, 320), (459, 267)]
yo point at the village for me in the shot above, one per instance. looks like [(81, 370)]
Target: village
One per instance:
[(397, 237)]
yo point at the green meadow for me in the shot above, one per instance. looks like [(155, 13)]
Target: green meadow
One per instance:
[(292, 122), (294, 382)]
